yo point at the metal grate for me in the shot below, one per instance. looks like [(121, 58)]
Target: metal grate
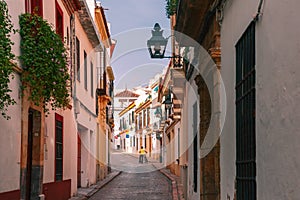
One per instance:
[(58, 149), (245, 116)]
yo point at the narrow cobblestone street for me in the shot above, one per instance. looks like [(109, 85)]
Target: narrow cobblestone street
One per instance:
[(136, 186), (137, 181)]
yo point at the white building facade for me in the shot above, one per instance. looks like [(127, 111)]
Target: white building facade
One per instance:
[(260, 45)]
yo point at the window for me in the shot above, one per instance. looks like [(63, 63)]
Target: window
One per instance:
[(148, 116), (245, 116), (85, 70), (34, 6), (78, 58), (132, 115), (144, 118), (195, 147), (140, 120), (58, 147), (59, 21), (92, 80)]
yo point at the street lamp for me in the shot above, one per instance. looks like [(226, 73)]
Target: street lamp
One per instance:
[(168, 101), (157, 43), (157, 46)]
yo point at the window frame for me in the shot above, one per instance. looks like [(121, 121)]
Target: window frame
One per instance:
[(92, 78), (246, 186), (77, 44), (60, 119), (59, 12), (30, 9), (85, 70)]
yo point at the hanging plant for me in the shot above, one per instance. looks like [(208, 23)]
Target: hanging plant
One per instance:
[(44, 60), (6, 57), (171, 7)]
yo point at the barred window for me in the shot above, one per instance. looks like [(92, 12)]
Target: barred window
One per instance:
[(245, 115), (85, 70), (58, 147)]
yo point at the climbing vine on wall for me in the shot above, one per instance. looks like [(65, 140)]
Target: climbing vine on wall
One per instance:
[(44, 60), (6, 57), (171, 6)]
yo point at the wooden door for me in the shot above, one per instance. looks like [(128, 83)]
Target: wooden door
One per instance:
[(29, 155)]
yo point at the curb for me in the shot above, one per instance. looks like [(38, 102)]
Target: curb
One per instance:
[(102, 184), (174, 185)]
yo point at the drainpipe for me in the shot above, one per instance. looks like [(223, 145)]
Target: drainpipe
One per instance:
[(259, 12), (73, 64)]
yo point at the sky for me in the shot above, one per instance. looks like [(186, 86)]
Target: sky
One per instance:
[(131, 22)]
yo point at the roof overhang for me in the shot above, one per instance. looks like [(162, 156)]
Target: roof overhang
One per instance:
[(102, 26), (71, 5), (129, 107), (88, 24), (191, 18)]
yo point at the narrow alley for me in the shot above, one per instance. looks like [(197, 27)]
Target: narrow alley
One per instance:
[(136, 186), (206, 92), (134, 180)]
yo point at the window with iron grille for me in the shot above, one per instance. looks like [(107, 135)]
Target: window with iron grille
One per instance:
[(77, 58), (92, 80), (245, 116), (85, 70), (58, 147), (195, 147)]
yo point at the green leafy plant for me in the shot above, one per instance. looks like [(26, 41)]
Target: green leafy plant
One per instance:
[(171, 6), (6, 57), (44, 61)]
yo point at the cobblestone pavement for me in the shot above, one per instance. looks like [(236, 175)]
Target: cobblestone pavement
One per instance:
[(136, 182)]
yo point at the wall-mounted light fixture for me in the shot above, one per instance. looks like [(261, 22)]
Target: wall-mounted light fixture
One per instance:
[(157, 46)]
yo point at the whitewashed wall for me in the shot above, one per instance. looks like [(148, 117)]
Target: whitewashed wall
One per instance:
[(86, 119), (10, 143), (10, 131), (277, 97)]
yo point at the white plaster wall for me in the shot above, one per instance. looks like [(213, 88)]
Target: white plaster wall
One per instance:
[(277, 94), (10, 143), (10, 132), (85, 157), (15, 11), (87, 118), (69, 132), (70, 149), (234, 24), (278, 97), (81, 93), (191, 98), (49, 156)]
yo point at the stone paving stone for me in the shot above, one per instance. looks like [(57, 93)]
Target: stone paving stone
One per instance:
[(139, 186), (136, 182)]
